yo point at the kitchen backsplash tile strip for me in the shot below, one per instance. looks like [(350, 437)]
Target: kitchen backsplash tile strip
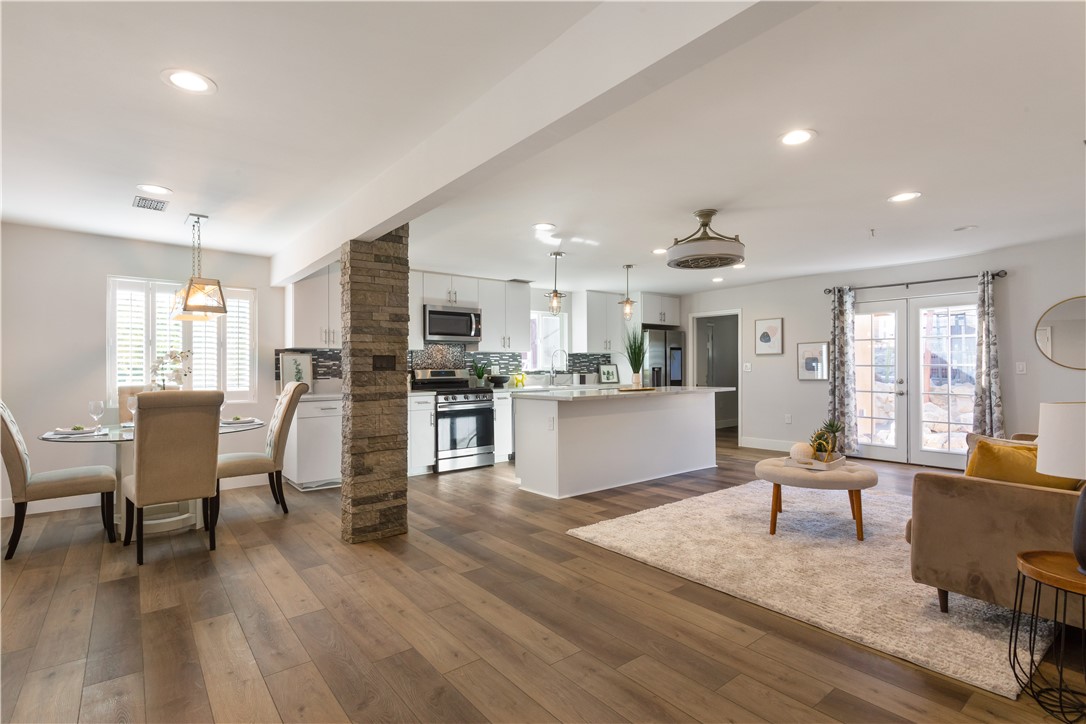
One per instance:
[(508, 363), (455, 357), (327, 363)]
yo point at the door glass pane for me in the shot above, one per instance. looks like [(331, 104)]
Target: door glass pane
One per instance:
[(948, 343), (876, 365)]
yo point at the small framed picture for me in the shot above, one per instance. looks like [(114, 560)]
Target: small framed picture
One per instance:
[(769, 336), (811, 360), (295, 367), (609, 374)]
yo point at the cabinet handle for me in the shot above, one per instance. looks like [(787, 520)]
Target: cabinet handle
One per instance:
[(431, 419), (328, 408), (455, 297)]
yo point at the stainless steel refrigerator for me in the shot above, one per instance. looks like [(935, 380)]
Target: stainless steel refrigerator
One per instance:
[(665, 359)]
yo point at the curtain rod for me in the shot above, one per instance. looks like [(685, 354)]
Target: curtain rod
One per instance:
[(1000, 274)]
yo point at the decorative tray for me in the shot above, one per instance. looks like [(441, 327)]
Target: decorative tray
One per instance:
[(816, 464)]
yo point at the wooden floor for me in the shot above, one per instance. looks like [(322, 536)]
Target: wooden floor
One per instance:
[(486, 610)]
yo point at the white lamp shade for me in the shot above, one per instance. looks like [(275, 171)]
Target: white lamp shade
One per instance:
[(1061, 439)]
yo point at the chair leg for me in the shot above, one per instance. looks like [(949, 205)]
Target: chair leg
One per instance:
[(129, 514), (107, 517), (16, 530), (944, 600), (139, 536), (213, 504), (271, 484), (279, 487), (207, 512)]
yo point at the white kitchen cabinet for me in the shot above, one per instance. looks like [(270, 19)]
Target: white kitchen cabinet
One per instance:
[(314, 444), (315, 310), (503, 426), (420, 434), (414, 310), (659, 309), (450, 290), (598, 324), (506, 309)]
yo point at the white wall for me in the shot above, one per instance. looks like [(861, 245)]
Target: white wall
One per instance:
[(1039, 275), (53, 306)]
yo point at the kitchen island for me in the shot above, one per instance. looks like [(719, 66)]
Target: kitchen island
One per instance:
[(575, 441)]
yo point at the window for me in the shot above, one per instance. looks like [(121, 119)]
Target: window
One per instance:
[(141, 331), (549, 333)]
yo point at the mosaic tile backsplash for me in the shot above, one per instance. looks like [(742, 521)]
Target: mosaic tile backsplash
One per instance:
[(455, 356), (327, 363)]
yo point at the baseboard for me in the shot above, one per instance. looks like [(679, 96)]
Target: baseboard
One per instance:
[(765, 443), (7, 508)]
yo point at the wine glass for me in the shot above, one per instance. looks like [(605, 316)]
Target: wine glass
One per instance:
[(97, 408), (132, 404)]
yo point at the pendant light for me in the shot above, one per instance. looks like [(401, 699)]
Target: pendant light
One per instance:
[(627, 303), (705, 248), (201, 299), (554, 295)]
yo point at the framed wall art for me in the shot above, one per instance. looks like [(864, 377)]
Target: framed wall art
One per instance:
[(608, 374), (811, 358), (769, 336)]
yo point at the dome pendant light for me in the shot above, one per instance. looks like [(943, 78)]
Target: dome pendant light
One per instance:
[(555, 296), (201, 299), (705, 248), (627, 303)]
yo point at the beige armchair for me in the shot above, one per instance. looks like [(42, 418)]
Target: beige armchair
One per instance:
[(26, 487), (233, 465), (177, 447)]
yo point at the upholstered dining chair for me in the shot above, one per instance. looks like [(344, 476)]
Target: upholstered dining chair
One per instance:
[(233, 465), (26, 487), (176, 452)]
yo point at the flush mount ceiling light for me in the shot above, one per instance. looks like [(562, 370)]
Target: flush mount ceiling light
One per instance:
[(659, 251), (544, 226), (718, 279), (188, 81), (154, 189), (627, 303), (798, 136), (705, 248), (555, 296), (904, 196), (739, 266), (201, 298)]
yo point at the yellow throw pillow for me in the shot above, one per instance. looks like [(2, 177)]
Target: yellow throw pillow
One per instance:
[(1012, 464)]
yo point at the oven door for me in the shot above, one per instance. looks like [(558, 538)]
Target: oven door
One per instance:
[(465, 435)]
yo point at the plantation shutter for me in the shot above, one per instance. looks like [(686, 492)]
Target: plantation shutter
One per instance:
[(240, 356), (130, 363), (205, 355)]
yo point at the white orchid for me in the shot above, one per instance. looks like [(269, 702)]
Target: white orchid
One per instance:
[(178, 366)]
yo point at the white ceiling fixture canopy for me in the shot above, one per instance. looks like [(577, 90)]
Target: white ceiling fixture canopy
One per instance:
[(706, 248)]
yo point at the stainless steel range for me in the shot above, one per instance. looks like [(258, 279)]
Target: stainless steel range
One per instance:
[(464, 419)]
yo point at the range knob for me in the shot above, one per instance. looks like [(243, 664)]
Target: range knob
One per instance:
[(446, 398)]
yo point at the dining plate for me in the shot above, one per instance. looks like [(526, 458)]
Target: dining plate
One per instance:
[(70, 431), (242, 421)]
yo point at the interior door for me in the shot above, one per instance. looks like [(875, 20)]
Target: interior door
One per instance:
[(942, 375), (881, 367)]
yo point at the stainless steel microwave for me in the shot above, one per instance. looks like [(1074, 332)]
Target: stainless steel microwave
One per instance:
[(451, 324)]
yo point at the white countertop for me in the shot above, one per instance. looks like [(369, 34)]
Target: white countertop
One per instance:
[(310, 397), (611, 393)]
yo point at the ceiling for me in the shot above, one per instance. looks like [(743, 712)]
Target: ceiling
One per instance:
[(980, 106)]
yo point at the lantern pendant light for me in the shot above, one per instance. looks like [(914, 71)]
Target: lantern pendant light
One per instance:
[(555, 296), (201, 299), (627, 303)]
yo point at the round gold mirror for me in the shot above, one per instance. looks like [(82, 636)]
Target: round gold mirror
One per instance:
[(1061, 333)]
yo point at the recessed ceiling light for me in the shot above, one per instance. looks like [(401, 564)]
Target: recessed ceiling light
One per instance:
[(740, 266), (188, 81), (718, 279), (968, 227), (659, 251), (798, 136), (154, 189), (544, 226), (905, 196)]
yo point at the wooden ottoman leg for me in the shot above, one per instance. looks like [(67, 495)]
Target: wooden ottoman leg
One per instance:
[(776, 507), (852, 503), (859, 515)]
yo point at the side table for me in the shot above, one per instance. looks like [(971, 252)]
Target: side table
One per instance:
[(1065, 696)]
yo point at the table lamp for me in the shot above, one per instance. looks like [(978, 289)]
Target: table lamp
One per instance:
[(1061, 450)]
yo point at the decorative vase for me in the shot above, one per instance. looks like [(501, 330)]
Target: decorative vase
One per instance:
[(636, 379)]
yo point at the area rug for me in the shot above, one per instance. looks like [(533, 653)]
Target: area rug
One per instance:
[(816, 571)]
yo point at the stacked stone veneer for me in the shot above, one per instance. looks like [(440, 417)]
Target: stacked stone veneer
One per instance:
[(375, 311)]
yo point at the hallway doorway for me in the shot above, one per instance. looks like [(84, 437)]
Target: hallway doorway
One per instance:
[(716, 357)]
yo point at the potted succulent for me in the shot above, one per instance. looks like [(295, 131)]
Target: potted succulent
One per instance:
[(824, 444), (635, 352)]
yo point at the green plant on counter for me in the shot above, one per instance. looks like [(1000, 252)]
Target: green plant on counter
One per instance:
[(478, 369), (635, 348)]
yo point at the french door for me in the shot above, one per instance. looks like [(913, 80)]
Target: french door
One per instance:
[(915, 374)]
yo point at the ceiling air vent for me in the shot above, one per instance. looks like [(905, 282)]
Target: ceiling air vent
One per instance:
[(142, 202)]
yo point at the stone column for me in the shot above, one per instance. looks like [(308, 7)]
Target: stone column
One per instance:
[(374, 289)]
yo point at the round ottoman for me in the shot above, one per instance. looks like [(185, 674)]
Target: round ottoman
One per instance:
[(852, 477)]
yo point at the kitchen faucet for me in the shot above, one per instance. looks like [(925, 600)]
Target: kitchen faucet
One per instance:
[(565, 365)]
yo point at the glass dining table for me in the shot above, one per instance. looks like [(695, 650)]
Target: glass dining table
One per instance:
[(157, 518)]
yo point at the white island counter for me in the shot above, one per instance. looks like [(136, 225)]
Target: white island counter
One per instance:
[(571, 442)]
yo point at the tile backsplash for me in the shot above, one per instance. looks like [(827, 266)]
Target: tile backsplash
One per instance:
[(327, 363), (455, 356)]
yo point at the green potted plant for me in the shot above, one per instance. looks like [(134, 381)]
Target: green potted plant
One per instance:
[(635, 352), (478, 369)]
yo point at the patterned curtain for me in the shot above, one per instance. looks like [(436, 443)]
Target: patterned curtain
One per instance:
[(987, 398), (842, 405)]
